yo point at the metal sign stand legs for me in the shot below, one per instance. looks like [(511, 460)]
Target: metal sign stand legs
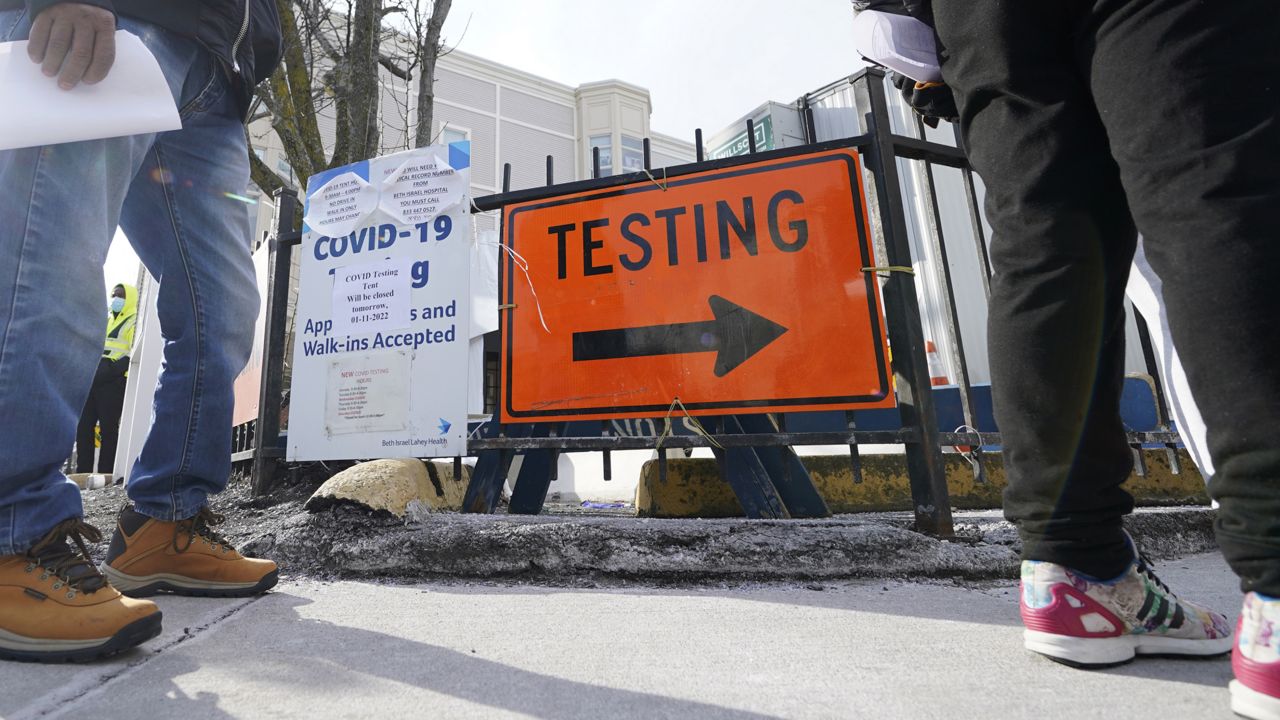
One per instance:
[(902, 314)]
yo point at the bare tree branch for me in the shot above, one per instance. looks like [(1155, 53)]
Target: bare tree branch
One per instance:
[(428, 53), (350, 67), (394, 69)]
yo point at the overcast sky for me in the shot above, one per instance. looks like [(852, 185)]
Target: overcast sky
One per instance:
[(706, 63)]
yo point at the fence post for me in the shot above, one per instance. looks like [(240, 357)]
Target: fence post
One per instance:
[(266, 455), (902, 312), (955, 335), (1162, 401)]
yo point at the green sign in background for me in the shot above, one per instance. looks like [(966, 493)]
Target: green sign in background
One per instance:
[(739, 145)]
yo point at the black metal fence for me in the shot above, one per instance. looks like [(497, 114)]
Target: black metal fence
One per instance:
[(755, 453)]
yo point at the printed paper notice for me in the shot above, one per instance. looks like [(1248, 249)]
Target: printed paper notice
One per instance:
[(421, 189), (368, 393), (338, 207), (372, 297)]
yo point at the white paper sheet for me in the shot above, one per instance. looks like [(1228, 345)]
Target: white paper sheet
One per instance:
[(421, 189), (368, 393), (371, 297), (899, 43), (341, 205), (133, 99)]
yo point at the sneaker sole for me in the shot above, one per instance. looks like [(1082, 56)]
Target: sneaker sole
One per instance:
[(1092, 653), (24, 649), (148, 585), (1250, 703)]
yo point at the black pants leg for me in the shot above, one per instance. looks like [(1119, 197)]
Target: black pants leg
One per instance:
[(103, 408), (1182, 95), (84, 432), (1061, 248), (110, 398), (1190, 96)]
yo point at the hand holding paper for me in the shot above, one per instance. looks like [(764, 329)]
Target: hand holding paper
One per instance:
[(132, 99), (74, 42)]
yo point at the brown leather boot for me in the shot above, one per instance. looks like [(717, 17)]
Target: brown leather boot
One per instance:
[(56, 607), (185, 558)]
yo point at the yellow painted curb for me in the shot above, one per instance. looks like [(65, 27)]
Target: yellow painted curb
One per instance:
[(693, 487), (86, 481)]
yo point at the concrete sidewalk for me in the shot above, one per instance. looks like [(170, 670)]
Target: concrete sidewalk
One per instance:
[(828, 650)]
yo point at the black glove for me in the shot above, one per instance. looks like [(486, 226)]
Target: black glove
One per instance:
[(933, 101), (919, 9)]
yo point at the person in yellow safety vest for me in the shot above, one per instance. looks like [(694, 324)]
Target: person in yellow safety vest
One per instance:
[(106, 397)]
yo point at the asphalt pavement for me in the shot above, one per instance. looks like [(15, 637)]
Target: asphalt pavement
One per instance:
[(865, 649)]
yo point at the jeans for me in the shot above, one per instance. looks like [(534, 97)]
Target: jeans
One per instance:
[(1091, 121), (177, 197)]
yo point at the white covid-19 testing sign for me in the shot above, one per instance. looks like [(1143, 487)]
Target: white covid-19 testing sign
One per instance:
[(381, 332)]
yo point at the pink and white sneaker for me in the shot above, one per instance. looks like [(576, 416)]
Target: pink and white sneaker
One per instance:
[(1255, 693), (1085, 622)]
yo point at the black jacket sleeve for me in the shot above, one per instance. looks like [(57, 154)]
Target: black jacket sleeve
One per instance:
[(268, 44), (38, 6)]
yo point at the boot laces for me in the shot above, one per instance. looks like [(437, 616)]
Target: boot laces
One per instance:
[(201, 526), (59, 559)]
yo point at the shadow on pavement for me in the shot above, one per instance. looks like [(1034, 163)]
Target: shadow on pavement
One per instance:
[(168, 700), (307, 653), (164, 699)]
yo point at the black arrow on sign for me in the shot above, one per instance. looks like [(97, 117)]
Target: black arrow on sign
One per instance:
[(734, 335)]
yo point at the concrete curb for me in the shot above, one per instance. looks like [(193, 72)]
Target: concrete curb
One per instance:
[(349, 543)]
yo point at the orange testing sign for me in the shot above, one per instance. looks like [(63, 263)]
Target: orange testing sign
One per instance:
[(735, 290)]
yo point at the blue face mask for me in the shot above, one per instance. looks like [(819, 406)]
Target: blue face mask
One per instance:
[(117, 304)]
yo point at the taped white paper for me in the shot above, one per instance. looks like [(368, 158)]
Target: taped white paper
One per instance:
[(368, 393), (339, 206), (371, 297), (133, 99), (422, 188)]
